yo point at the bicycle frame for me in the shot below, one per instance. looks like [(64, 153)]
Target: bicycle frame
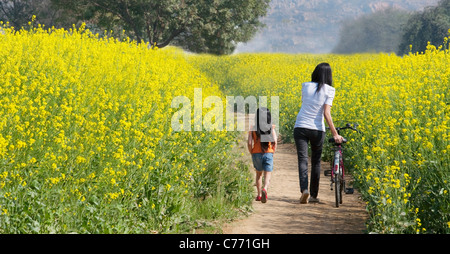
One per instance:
[(338, 164), (337, 167), (338, 174)]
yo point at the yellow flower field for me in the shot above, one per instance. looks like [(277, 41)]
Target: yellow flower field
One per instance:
[(402, 106), (86, 143)]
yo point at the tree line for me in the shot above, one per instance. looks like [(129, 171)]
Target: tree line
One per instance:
[(216, 26), (394, 30), (200, 26)]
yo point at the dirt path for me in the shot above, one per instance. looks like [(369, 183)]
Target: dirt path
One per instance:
[(283, 213)]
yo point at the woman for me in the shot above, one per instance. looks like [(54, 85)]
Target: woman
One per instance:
[(317, 99)]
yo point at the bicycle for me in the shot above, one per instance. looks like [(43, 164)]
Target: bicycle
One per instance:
[(337, 171)]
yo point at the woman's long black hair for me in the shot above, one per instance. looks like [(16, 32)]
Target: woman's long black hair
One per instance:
[(322, 75), (264, 127)]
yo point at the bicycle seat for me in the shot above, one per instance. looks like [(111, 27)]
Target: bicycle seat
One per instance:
[(331, 140)]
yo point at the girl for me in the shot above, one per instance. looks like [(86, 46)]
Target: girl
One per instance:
[(317, 99), (262, 143)]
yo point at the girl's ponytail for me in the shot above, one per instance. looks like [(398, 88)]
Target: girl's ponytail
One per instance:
[(264, 127)]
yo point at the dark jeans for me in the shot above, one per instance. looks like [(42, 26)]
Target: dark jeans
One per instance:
[(302, 137)]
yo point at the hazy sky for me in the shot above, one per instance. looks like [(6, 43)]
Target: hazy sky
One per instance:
[(312, 26)]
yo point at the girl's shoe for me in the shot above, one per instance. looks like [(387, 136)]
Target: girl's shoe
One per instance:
[(258, 198), (264, 196)]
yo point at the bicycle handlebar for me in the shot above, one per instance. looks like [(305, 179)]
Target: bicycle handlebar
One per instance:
[(347, 126), (331, 140)]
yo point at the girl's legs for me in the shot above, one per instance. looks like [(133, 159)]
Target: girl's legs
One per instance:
[(267, 176), (267, 166), (259, 182), (257, 163)]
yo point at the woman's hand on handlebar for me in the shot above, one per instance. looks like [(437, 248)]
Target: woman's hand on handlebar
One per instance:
[(338, 139)]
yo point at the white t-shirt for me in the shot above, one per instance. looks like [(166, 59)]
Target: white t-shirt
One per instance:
[(311, 112)]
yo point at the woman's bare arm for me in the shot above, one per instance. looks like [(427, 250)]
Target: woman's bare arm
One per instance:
[(327, 114)]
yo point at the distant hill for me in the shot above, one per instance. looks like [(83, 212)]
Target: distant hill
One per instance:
[(312, 26)]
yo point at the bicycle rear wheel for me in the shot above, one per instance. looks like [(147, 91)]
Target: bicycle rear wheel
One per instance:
[(341, 188), (337, 189)]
